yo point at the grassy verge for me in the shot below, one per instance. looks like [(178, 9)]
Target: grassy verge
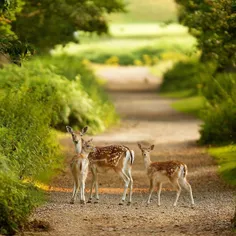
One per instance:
[(190, 105), (225, 157)]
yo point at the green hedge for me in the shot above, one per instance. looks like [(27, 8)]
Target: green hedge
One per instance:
[(185, 75), (219, 116), (27, 148), (78, 99)]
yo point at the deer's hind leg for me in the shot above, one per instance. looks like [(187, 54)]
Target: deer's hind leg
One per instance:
[(185, 184)]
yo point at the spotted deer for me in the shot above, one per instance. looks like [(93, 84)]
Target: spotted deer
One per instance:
[(174, 172), (79, 168), (114, 157)]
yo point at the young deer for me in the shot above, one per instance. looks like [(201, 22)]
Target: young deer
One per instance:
[(174, 172), (115, 157), (79, 168), (77, 140)]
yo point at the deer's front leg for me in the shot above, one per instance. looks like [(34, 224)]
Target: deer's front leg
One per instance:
[(76, 183)]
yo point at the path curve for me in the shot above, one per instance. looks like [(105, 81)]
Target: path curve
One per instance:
[(149, 118)]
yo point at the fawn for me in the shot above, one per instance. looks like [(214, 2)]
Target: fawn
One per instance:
[(174, 172)]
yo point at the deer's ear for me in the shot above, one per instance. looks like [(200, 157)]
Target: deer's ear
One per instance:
[(139, 145), (90, 140), (84, 130), (69, 129), (152, 147)]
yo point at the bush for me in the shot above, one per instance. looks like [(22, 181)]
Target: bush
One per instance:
[(17, 202), (185, 75), (77, 100), (101, 112), (25, 134), (219, 116)]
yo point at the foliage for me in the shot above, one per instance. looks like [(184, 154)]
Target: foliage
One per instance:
[(58, 20), (131, 51), (219, 116), (76, 99), (225, 157), (17, 199), (191, 105), (30, 146), (185, 75), (9, 44), (25, 151), (8, 12), (213, 23)]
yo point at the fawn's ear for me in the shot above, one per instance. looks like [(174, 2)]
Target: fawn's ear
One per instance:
[(84, 130), (139, 145), (152, 147), (90, 140), (69, 129)]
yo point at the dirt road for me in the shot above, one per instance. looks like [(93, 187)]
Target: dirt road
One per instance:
[(149, 118)]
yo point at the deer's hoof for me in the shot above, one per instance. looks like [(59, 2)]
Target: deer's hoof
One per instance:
[(129, 203), (72, 202), (121, 203), (82, 202), (89, 201)]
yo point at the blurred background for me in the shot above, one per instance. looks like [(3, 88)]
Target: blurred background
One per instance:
[(52, 56)]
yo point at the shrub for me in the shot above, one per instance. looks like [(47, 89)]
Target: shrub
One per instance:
[(101, 113), (77, 98), (25, 135), (185, 75), (219, 116), (17, 202)]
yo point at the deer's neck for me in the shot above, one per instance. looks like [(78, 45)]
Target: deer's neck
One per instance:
[(78, 146), (85, 154), (147, 162)]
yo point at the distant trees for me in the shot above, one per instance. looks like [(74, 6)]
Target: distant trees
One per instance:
[(44, 23), (213, 23)]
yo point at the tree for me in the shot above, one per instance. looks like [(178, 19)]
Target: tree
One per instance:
[(11, 49), (44, 23), (213, 23)]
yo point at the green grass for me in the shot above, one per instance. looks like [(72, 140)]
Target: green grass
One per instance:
[(147, 11), (191, 105), (131, 42), (178, 94), (226, 159), (146, 30)]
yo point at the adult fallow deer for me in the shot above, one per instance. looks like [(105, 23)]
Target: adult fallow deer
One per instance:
[(79, 168)]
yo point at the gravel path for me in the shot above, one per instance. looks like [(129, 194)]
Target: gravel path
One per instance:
[(149, 118)]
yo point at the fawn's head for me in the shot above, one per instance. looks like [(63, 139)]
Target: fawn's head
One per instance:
[(145, 151), (88, 146), (76, 136)]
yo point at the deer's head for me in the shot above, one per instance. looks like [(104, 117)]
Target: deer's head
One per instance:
[(145, 150), (88, 146), (76, 136)]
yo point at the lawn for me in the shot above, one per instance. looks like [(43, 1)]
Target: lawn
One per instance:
[(190, 105), (226, 159), (147, 11)]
